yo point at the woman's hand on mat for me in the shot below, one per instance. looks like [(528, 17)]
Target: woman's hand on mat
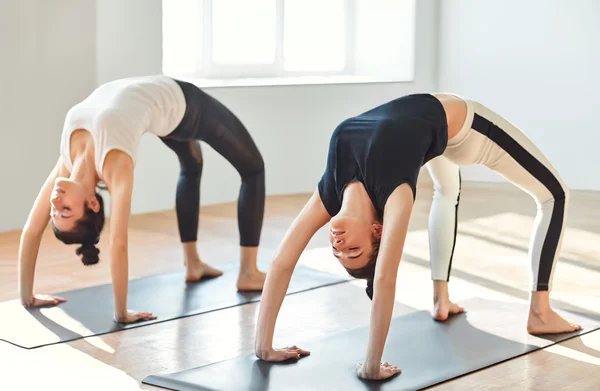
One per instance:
[(43, 301), (385, 371), (134, 316), (287, 353)]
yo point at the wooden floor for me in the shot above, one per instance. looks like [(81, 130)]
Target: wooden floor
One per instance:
[(490, 261)]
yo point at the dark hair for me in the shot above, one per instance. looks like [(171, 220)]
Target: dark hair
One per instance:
[(86, 232), (368, 271)]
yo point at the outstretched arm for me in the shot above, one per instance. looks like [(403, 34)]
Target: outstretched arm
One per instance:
[(121, 188), (312, 217), (31, 237), (397, 214)]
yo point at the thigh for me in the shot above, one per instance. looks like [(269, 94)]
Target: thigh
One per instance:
[(517, 158), (230, 138), (445, 176), (188, 152)]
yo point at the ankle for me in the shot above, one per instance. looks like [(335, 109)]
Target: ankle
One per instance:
[(190, 253), (440, 291), (248, 260), (540, 311), (248, 270), (191, 262), (540, 303)]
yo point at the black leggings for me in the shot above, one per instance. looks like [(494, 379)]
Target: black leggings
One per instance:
[(208, 120)]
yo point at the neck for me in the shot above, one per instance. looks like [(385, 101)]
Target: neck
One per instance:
[(357, 203), (84, 171)]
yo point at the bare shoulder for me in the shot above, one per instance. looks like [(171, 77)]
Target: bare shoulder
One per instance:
[(313, 215), (118, 169), (316, 206), (403, 192), (402, 198)]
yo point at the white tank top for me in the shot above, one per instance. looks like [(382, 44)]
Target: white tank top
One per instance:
[(120, 112)]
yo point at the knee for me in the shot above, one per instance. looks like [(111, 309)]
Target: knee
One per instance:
[(449, 192), (563, 196), (254, 169), (559, 196), (191, 167), (190, 158)]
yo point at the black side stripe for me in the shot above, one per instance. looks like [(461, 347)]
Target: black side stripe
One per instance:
[(542, 174), (455, 224)]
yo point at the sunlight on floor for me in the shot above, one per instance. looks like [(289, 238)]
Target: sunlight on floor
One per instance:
[(490, 261), (574, 354), (39, 326), (492, 252), (22, 323), (59, 365), (414, 287), (60, 317), (515, 229)]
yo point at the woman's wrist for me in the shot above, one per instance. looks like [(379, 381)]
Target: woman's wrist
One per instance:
[(261, 349), (120, 315), (371, 367)]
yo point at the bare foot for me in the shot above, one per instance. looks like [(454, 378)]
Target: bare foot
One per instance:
[(549, 322), (443, 307), (253, 281), (198, 270)]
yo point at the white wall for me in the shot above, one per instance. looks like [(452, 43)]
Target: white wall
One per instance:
[(48, 64), (536, 62), (378, 51), (290, 124), (129, 38), (56, 51)]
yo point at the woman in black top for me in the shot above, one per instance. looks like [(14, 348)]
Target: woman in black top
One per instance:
[(370, 183)]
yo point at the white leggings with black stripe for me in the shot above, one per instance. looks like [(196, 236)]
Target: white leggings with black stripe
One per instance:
[(488, 139)]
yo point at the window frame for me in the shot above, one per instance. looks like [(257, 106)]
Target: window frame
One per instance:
[(211, 70)]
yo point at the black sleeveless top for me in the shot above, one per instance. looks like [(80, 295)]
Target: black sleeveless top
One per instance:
[(384, 148)]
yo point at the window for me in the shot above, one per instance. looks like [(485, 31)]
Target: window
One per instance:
[(236, 39)]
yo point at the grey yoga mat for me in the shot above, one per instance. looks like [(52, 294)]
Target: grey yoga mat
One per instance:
[(428, 352), (89, 311)]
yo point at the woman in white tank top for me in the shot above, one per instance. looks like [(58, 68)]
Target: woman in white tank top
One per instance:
[(99, 144)]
